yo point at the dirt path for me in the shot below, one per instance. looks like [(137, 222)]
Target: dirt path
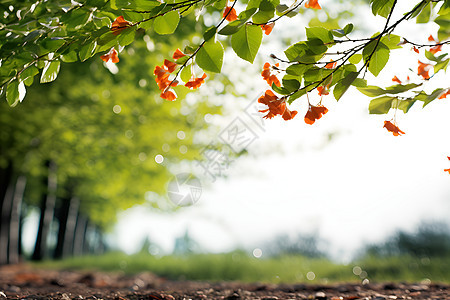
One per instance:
[(22, 282)]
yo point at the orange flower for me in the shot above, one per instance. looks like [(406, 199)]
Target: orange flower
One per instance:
[(435, 49), (444, 95), (119, 25), (275, 106), (288, 114), (164, 83), (395, 79), (267, 76), (415, 49), (431, 38), (423, 69), (168, 95), (111, 55), (178, 54), (315, 113), (267, 28), (392, 128), (313, 4), (229, 14), (162, 74), (171, 66), (331, 64), (323, 90), (447, 170), (195, 83)]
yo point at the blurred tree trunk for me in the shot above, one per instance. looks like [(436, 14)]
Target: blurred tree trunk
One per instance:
[(47, 211), (16, 207), (22, 214), (6, 174), (67, 222), (79, 240)]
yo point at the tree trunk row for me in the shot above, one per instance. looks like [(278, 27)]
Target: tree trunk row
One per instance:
[(75, 234)]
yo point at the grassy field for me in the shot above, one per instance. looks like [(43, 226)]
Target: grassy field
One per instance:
[(240, 266)]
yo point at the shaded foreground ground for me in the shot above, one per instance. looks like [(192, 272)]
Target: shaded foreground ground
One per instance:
[(23, 282)]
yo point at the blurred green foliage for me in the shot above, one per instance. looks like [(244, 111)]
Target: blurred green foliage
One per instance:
[(240, 266), (103, 131)]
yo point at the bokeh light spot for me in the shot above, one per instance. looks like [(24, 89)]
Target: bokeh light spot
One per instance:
[(159, 158)]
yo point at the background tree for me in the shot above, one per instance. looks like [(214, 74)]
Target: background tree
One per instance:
[(88, 149)]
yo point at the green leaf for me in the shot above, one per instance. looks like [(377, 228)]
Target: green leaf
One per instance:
[(280, 90), (76, 19), (296, 95), (425, 14), (343, 85), (399, 88), (427, 99), (12, 93), (372, 91), (210, 32), (70, 56), (134, 5), (445, 8), (182, 60), (132, 16), (348, 28), (291, 84), (342, 32), (246, 42), (220, 4), (87, 50), (107, 41), (50, 71), (297, 69), (391, 41), (382, 7), (316, 74), (186, 74), (418, 9), (378, 57), (338, 32), (127, 36), (316, 47), (167, 23), (233, 27), (441, 65), (359, 82), (266, 11), (27, 75), (430, 56), (281, 8), (319, 33), (405, 105), (444, 26), (355, 58), (52, 44), (294, 52), (380, 105), (210, 56), (247, 14)]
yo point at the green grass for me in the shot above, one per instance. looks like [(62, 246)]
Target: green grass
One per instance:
[(242, 267)]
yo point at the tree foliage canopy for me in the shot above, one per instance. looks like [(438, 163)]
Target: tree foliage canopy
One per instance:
[(36, 37)]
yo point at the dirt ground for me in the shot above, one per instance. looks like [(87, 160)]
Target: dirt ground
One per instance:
[(23, 282)]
